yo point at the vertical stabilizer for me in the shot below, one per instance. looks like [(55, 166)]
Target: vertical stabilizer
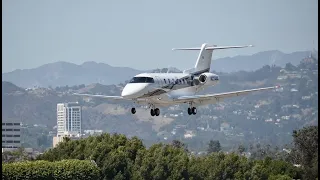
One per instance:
[(204, 60)]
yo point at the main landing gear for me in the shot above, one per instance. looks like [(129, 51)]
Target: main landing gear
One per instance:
[(192, 110), (133, 110), (155, 112)]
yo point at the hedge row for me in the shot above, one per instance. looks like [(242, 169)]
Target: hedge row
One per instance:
[(65, 169)]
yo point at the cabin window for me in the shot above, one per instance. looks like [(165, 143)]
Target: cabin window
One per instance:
[(165, 81), (142, 80)]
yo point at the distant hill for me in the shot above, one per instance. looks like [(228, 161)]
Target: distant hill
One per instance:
[(8, 87), (256, 61), (64, 73)]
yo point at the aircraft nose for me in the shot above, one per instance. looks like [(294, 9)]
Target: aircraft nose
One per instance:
[(126, 91), (133, 90)]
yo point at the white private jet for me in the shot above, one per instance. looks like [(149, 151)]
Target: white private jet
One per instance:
[(165, 89)]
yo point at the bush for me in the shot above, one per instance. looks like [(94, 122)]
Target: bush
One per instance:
[(65, 169)]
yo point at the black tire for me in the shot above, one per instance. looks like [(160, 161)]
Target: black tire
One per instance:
[(157, 111), (133, 110), (189, 111), (152, 112), (194, 110)]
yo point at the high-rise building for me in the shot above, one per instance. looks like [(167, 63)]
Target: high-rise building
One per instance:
[(11, 135), (68, 119)]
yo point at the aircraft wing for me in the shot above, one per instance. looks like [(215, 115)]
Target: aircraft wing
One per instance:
[(217, 97), (117, 98), (101, 96)]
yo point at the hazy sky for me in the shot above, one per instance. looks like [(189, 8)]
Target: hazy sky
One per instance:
[(140, 34)]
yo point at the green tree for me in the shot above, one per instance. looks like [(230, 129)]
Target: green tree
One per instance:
[(112, 153), (241, 149), (213, 146), (179, 144), (118, 157), (306, 150), (162, 162), (290, 67), (279, 177), (16, 155)]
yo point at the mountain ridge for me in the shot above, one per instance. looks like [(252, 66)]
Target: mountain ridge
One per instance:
[(257, 60), (63, 73)]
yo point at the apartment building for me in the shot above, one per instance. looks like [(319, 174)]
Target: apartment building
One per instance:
[(11, 135), (68, 119)]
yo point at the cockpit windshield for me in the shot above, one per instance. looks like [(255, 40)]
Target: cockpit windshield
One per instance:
[(141, 80)]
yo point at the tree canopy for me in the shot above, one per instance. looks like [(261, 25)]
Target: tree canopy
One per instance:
[(119, 157)]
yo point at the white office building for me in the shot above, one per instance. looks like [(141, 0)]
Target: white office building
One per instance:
[(68, 119), (11, 135)]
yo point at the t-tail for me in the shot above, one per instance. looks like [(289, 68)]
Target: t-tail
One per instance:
[(204, 59)]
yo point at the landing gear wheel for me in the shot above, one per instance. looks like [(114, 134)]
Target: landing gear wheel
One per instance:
[(189, 111), (157, 111), (152, 112), (133, 110), (194, 110)]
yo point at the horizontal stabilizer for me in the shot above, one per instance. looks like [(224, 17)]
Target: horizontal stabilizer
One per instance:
[(227, 47), (213, 47)]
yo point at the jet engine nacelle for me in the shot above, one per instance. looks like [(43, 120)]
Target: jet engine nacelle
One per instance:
[(206, 79)]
